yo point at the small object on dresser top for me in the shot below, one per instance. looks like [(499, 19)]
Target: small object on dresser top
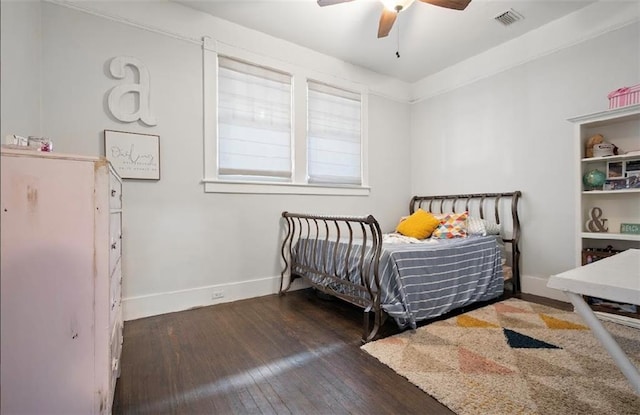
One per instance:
[(31, 143), (15, 140), (40, 143)]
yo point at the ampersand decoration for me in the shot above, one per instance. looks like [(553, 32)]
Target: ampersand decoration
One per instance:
[(596, 224)]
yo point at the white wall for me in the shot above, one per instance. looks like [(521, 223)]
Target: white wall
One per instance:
[(509, 132), (504, 132), (20, 71), (181, 244)]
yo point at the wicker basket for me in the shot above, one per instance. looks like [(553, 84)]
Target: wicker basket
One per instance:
[(624, 96)]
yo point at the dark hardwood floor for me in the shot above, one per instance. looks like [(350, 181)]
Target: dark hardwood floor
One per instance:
[(297, 354)]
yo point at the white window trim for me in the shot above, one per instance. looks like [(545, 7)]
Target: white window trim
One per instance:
[(213, 184)]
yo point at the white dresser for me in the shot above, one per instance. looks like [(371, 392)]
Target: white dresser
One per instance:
[(61, 278)]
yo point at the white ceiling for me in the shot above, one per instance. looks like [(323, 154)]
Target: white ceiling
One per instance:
[(430, 38)]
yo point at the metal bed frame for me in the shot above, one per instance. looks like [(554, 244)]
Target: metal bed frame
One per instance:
[(322, 231)]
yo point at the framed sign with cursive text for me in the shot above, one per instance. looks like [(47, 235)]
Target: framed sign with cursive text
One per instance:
[(133, 155)]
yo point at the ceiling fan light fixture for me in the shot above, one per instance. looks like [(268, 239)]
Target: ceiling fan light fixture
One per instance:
[(397, 5)]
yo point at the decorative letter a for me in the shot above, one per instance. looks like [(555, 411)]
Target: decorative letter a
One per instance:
[(142, 89)]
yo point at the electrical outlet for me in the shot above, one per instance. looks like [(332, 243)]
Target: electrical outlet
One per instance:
[(217, 294)]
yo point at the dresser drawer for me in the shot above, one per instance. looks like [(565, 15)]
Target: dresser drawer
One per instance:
[(116, 352), (115, 192), (115, 240), (115, 296), (116, 339)]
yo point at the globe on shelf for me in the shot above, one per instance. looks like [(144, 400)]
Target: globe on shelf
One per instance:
[(594, 179)]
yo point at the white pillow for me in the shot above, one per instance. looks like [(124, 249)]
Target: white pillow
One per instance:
[(492, 228), (476, 226)]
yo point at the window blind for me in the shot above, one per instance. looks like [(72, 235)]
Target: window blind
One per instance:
[(254, 121), (334, 135)]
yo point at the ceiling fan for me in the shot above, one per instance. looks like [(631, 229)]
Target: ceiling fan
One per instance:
[(393, 7)]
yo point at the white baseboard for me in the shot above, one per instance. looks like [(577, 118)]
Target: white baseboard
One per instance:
[(169, 302), (538, 286), (615, 318)]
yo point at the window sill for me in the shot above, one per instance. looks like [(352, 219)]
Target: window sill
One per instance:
[(218, 186)]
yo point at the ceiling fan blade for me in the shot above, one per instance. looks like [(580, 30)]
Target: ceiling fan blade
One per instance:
[(387, 18), (323, 3), (448, 4)]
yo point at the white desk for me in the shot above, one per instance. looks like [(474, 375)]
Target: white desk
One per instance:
[(615, 278)]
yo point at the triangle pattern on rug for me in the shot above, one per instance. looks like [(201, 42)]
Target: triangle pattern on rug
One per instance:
[(556, 323), (506, 308), (471, 362), (530, 362), (421, 360), (559, 398), (534, 371), (427, 338), (521, 341), (512, 321), (466, 320)]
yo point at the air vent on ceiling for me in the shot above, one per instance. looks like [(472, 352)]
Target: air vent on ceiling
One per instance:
[(509, 17)]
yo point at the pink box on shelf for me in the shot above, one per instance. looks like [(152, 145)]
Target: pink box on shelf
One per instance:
[(624, 96)]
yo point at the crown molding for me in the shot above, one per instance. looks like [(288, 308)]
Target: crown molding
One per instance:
[(183, 23), (180, 22)]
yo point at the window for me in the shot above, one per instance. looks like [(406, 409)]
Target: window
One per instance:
[(333, 134), (254, 122), (274, 127)]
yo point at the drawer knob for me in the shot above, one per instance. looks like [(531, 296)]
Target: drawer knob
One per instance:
[(114, 245), (113, 193)]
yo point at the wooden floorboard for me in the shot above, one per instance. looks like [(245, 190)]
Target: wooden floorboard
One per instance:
[(295, 354)]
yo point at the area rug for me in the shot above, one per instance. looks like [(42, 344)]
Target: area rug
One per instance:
[(514, 357)]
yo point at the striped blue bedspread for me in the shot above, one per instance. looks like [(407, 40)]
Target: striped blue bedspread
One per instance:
[(418, 281)]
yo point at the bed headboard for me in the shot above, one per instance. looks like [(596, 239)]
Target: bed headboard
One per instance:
[(499, 207)]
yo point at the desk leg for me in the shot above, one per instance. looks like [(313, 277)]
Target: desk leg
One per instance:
[(606, 339)]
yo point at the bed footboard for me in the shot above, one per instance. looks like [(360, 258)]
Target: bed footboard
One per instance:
[(338, 255)]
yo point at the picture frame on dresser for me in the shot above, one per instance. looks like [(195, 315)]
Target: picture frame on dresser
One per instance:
[(133, 155)]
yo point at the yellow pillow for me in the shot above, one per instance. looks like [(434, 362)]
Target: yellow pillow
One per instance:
[(419, 225)]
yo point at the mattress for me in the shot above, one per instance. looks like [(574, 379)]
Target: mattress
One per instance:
[(417, 281)]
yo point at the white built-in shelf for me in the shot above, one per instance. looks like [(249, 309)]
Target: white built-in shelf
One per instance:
[(620, 127), (611, 235), (597, 119), (619, 157), (609, 192)]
